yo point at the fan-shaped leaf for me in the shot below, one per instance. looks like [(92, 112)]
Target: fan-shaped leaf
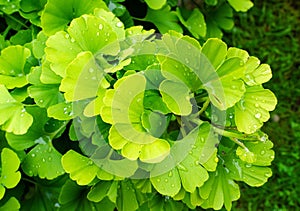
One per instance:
[(241, 5), (10, 176), (12, 62), (43, 161), (57, 14), (14, 117), (253, 109)]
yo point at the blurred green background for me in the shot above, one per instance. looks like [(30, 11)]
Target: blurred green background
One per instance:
[(271, 31)]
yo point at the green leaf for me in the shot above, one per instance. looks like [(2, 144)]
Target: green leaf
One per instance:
[(195, 23), (9, 7), (72, 197), (62, 111), (43, 194), (60, 51), (190, 155), (226, 88), (34, 134), (21, 37), (10, 176), (241, 5), (154, 102), (43, 161), (256, 74), (57, 15), (39, 44), (176, 96), (12, 204), (83, 78), (215, 50), (158, 203), (169, 22), (155, 123), (81, 169), (219, 189), (255, 173), (156, 4), (220, 18), (12, 62), (48, 76), (253, 109), (14, 117)]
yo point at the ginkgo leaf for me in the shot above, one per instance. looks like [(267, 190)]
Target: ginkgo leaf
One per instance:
[(81, 168), (57, 15), (220, 18), (219, 190), (225, 89), (83, 78), (253, 109), (43, 161), (35, 133), (195, 23), (169, 22), (255, 173), (62, 111), (44, 193), (10, 176), (70, 198), (48, 76), (191, 153), (176, 96), (155, 4), (241, 5), (12, 62), (12, 204), (14, 117)]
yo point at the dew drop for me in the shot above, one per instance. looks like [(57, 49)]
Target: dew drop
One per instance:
[(262, 152), (44, 160), (94, 78), (91, 70), (90, 163), (197, 163), (41, 101), (256, 105), (172, 185), (202, 139), (248, 165), (33, 155), (166, 180), (268, 174), (100, 26), (50, 150), (170, 174), (158, 180), (30, 173), (233, 87), (67, 36), (187, 60), (272, 157), (258, 115), (98, 34), (119, 24), (50, 158), (57, 205)]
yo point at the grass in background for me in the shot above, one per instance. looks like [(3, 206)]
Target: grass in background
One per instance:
[(271, 32)]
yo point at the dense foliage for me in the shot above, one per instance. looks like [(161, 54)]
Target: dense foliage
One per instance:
[(97, 113)]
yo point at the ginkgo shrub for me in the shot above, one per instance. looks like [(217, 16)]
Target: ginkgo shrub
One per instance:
[(96, 115)]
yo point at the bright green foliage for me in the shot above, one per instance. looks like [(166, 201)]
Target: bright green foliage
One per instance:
[(12, 62), (57, 14), (105, 116), (12, 204), (14, 117), (10, 176), (241, 6)]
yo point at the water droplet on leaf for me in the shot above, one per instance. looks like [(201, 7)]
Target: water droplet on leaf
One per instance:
[(258, 115)]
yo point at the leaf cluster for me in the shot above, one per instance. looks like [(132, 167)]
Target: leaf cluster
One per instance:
[(98, 115)]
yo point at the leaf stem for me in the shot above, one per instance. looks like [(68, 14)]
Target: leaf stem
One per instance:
[(204, 107), (241, 136), (18, 21), (241, 144)]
